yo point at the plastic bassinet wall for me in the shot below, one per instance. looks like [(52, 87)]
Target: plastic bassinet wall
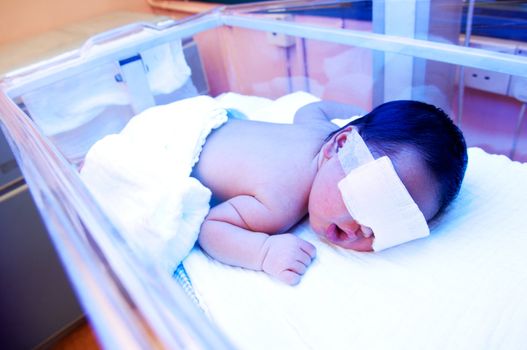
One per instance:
[(53, 111)]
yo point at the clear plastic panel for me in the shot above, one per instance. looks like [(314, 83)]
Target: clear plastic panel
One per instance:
[(456, 55), (76, 111), (272, 62)]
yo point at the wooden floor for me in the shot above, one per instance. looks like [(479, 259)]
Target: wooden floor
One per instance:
[(82, 337)]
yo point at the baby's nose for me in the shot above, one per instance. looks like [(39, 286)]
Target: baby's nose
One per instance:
[(351, 226)]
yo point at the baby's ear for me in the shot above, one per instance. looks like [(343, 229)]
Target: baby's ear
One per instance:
[(342, 137), (331, 147)]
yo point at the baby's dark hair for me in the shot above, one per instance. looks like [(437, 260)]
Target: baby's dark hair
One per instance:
[(425, 128)]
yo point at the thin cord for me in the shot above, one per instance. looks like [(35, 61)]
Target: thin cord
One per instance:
[(461, 86)]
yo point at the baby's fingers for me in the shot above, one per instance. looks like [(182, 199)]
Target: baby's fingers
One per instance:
[(308, 248), (298, 267), (290, 277), (303, 258)]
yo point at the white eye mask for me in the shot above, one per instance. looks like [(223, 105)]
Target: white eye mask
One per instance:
[(376, 197)]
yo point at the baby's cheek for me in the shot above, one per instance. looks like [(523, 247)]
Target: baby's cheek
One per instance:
[(314, 223)]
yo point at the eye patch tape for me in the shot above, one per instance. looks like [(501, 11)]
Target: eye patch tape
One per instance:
[(376, 197)]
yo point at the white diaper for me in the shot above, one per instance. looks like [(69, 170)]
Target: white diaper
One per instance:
[(141, 178), (376, 197)]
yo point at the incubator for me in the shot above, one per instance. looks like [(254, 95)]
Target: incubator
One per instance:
[(358, 52)]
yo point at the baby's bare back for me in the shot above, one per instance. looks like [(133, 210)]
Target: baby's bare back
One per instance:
[(275, 163)]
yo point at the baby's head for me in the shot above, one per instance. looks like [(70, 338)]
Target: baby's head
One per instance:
[(426, 149)]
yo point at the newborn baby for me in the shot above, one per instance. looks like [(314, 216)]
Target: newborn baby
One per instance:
[(266, 177)]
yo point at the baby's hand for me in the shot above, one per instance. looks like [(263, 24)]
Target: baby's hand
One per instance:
[(287, 257)]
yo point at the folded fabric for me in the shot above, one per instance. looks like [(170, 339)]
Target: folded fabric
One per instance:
[(141, 178), (67, 104), (376, 197)]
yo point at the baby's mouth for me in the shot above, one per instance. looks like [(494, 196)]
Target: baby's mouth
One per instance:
[(335, 234)]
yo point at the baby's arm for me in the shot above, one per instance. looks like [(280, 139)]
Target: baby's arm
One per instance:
[(234, 233), (326, 111)]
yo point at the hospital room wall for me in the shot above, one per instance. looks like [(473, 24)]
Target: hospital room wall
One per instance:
[(489, 121), (24, 18)]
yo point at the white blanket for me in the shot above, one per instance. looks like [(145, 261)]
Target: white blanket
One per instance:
[(141, 178), (464, 287)]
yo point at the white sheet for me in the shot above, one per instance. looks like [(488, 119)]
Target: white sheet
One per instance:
[(464, 287)]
